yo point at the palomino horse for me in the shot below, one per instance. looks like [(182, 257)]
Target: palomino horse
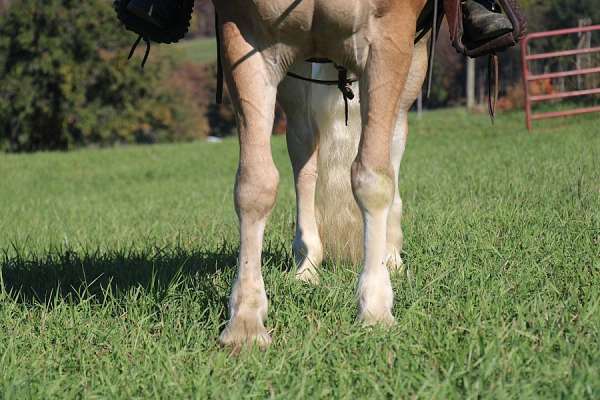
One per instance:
[(374, 39)]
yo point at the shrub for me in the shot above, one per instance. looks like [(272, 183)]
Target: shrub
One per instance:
[(65, 81), (198, 83)]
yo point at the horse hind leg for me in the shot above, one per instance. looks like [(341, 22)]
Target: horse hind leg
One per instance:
[(295, 97), (308, 250), (382, 83), (257, 179), (412, 88)]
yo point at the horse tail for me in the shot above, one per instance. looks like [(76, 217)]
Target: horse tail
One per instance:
[(338, 216)]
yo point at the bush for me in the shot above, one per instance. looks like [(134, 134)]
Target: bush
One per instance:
[(65, 81), (198, 83)]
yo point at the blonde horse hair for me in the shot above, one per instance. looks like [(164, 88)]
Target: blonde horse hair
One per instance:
[(338, 216)]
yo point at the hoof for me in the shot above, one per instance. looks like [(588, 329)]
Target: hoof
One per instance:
[(376, 298), (241, 334), (396, 266), (384, 318), (308, 275)]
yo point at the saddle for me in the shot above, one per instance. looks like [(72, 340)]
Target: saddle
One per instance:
[(171, 24)]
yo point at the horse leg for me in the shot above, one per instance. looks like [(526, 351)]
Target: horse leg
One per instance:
[(382, 82), (294, 95), (308, 250), (253, 96), (395, 236), (412, 88)]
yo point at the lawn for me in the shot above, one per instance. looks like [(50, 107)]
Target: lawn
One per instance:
[(200, 51), (116, 266)]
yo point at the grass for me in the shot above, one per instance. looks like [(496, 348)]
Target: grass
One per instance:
[(200, 51), (116, 266)]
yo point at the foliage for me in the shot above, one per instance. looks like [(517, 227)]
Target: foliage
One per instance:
[(565, 14), (199, 84), (65, 81)]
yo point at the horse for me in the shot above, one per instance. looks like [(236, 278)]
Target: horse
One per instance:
[(346, 178)]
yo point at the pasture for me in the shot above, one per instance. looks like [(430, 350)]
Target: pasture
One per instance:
[(199, 51), (116, 265)]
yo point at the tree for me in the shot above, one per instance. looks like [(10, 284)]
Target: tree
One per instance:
[(65, 81)]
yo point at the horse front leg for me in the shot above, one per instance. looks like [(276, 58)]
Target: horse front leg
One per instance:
[(373, 181), (253, 96)]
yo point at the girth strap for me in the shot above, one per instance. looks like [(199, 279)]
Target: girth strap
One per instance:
[(343, 83)]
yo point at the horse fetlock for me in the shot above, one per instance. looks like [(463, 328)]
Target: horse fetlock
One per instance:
[(308, 255), (395, 236), (248, 298), (376, 298), (307, 245)]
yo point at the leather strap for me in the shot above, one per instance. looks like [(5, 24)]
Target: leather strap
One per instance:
[(343, 83)]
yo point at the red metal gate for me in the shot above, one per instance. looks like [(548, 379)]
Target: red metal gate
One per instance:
[(528, 77)]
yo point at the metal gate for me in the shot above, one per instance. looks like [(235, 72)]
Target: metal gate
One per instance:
[(528, 77)]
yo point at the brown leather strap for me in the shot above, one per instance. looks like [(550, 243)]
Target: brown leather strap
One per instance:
[(453, 11), (493, 84)]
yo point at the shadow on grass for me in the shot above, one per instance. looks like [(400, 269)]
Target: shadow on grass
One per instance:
[(73, 275)]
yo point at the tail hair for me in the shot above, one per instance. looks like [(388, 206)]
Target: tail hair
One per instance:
[(338, 216)]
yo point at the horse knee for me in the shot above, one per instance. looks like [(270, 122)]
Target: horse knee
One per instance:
[(256, 190), (373, 187)]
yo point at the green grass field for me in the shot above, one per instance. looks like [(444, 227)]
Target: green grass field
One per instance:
[(116, 266), (200, 51)]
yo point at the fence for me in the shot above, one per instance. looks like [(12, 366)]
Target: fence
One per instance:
[(528, 77)]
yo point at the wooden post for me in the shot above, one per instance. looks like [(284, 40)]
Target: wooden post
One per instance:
[(583, 60), (525, 72), (482, 87), (470, 83)]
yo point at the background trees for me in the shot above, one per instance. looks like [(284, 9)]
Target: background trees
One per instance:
[(65, 81)]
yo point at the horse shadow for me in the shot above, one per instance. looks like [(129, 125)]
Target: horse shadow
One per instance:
[(75, 276)]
